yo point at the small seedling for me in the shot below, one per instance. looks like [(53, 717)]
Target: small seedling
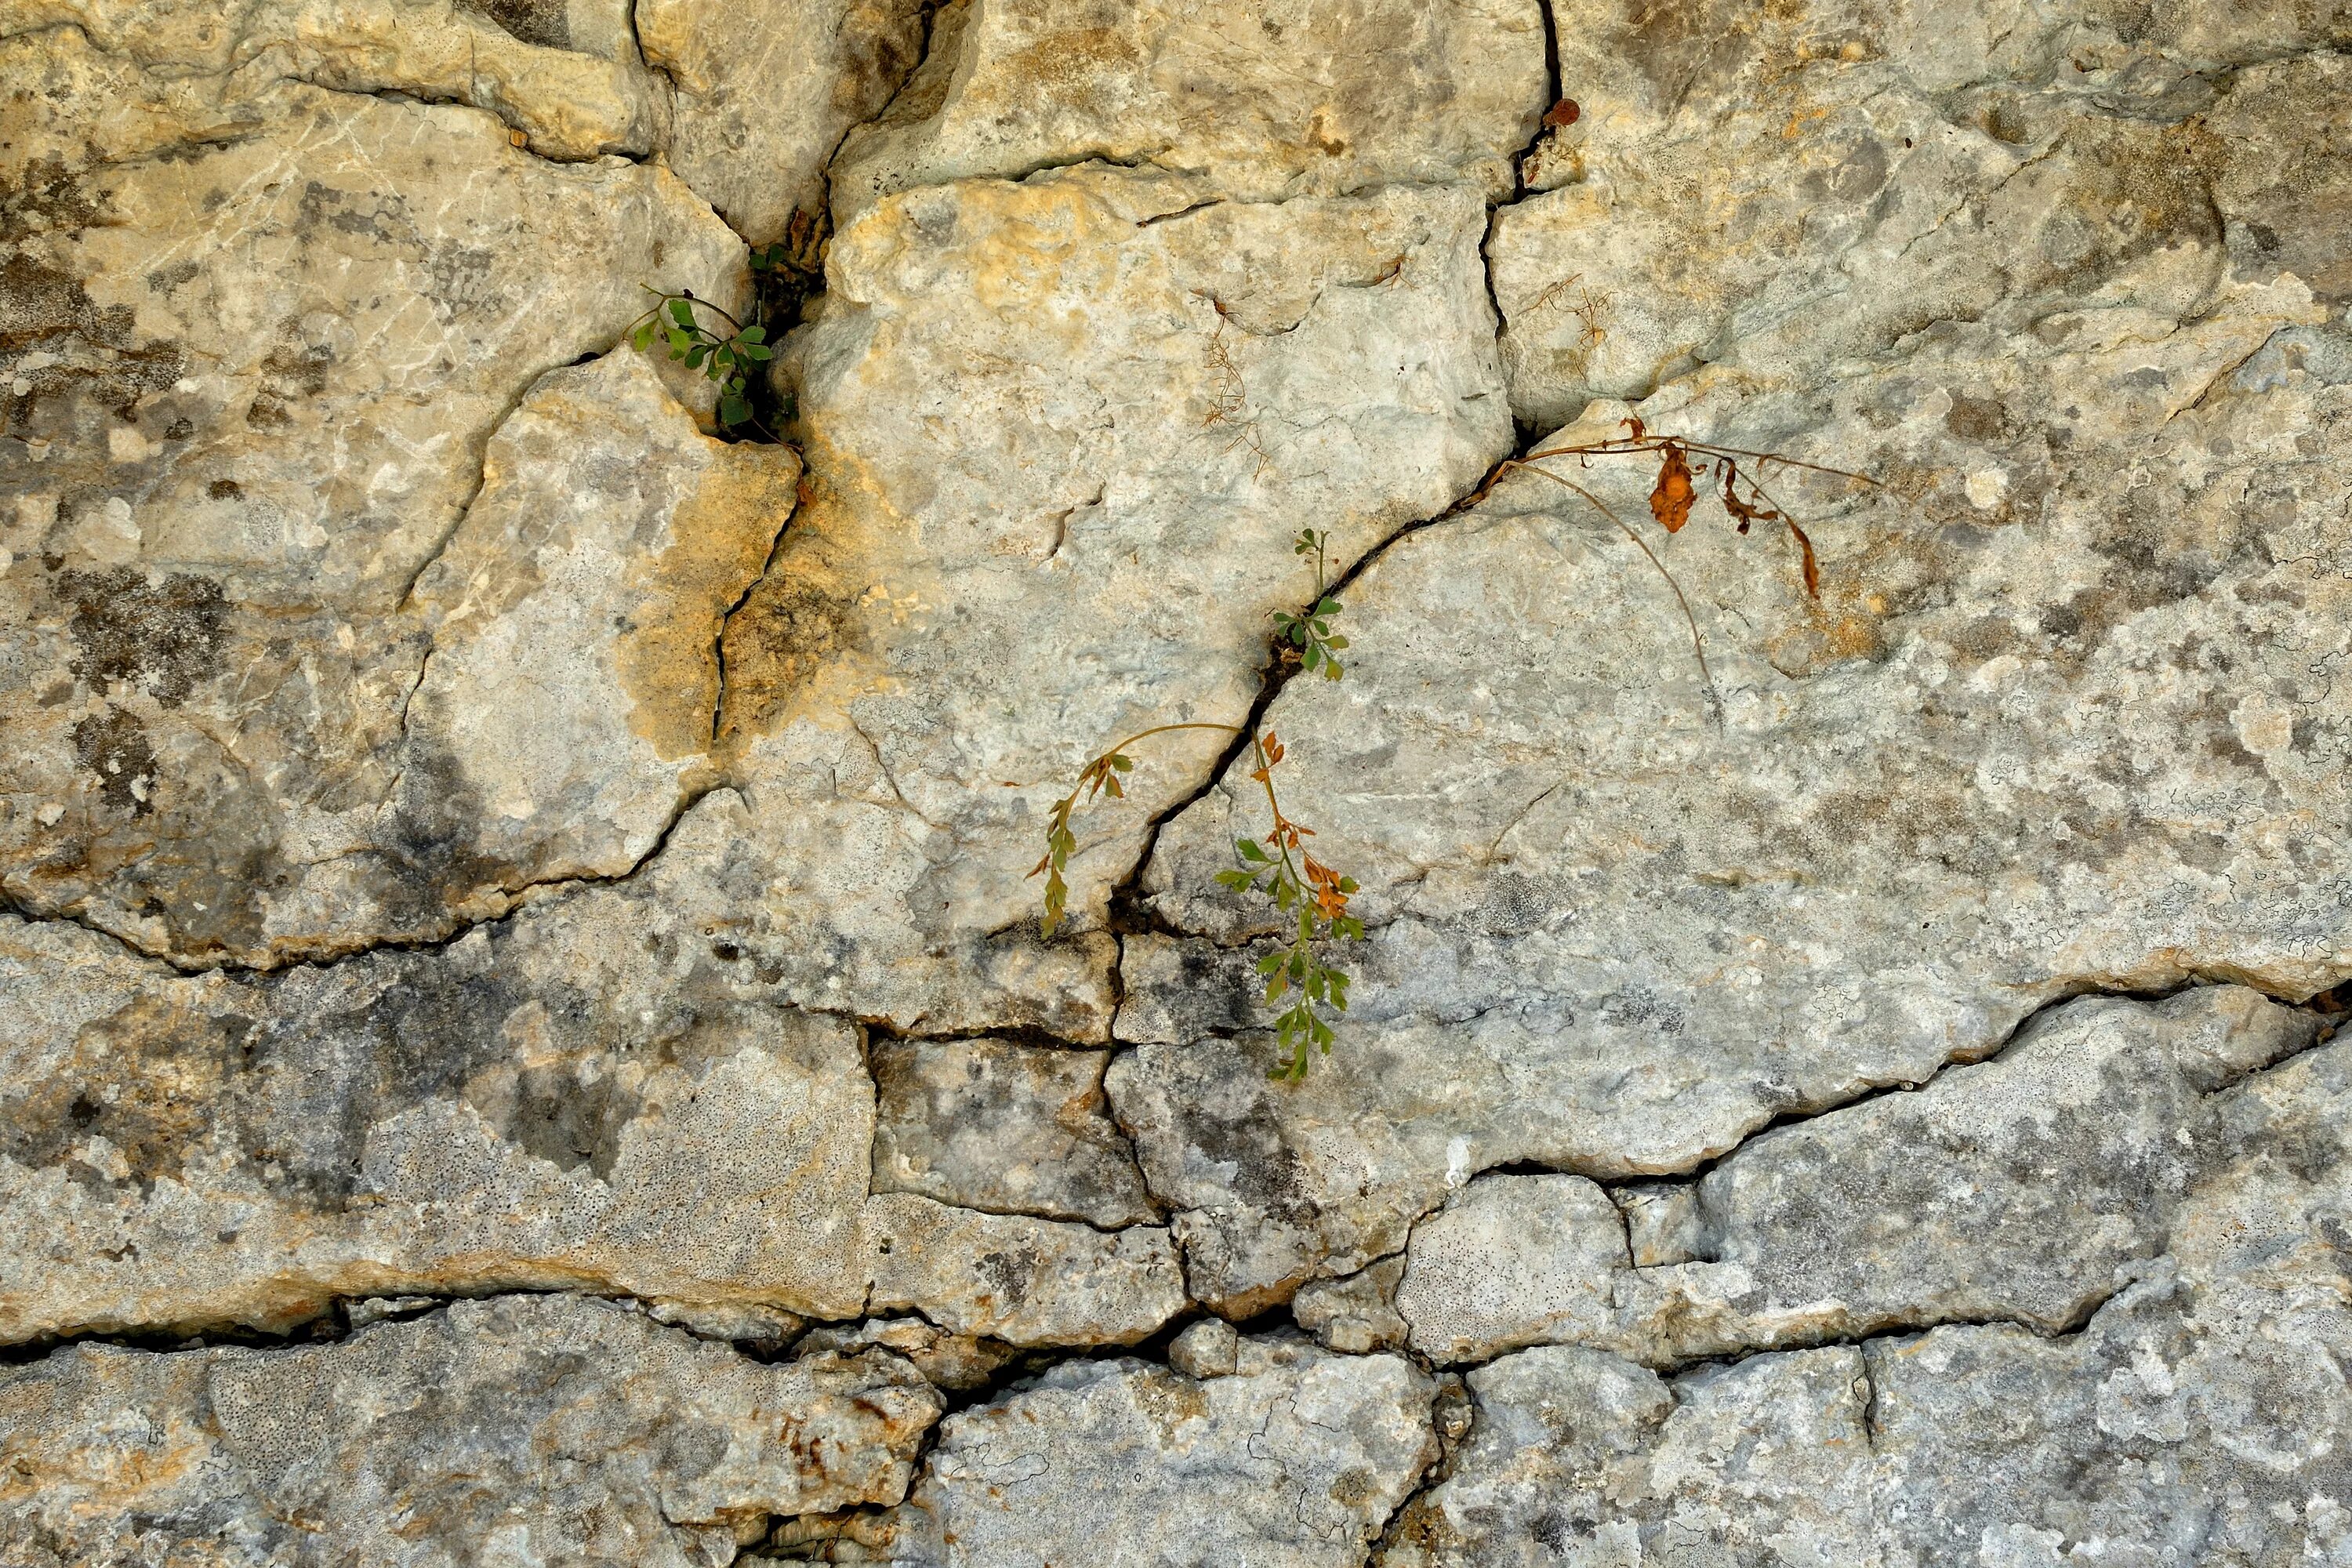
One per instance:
[(1298, 883), (1308, 638), (726, 358)]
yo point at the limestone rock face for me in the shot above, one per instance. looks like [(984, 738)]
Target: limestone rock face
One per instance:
[(2198, 1416), (566, 74), (1069, 425), (989, 1124), (580, 1099), (764, 95), (1026, 1281), (410, 1442), (534, 1109), (1513, 1261), (527, 1036), (1814, 185), (1297, 1457), (1266, 101), (2028, 1189), (568, 700), (1608, 929), (259, 353)]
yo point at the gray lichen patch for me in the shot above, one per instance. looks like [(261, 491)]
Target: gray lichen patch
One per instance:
[(990, 1124)]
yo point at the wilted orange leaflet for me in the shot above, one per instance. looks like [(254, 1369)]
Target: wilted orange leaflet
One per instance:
[(1330, 899), (1670, 501)]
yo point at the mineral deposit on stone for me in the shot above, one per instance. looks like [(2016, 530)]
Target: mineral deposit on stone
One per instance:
[(1060, 433)]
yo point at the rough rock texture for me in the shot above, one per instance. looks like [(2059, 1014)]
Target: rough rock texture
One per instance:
[(1356, 1313), (1511, 1261), (2200, 1416), (2027, 1189), (1821, 182), (1295, 1456), (572, 1099), (1859, 1091), (1617, 932), (575, 617), (1264, 100), (522, 1428), (564, 74), (257, 358), (1064, 429), (764, 94), (988, 1124)]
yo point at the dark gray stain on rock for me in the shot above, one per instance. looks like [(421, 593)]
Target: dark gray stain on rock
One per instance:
[(546, 22), (163, 636), (114, 746)]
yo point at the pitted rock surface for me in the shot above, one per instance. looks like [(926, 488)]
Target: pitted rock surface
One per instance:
[(525, 1036), (410, 1443)]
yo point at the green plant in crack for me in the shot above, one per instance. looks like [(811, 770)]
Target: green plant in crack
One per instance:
[(1311, 897), (1308, 636), (783, 275), (1279, 866), (682, 322)]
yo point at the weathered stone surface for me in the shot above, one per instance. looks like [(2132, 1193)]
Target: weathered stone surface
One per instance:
[(2021, 1189), (536, 1107), (2199, 1417), (1575, 1450), (1357, 1312), (1512, 1261), (1296, 1457), (1048, 434), (1820, 183), (1026, 1281), (1264, 102), (257, 350), (988, 1124), (2027, 1189), (765, 93), (568, 700), (945, 1361), (564, 73), (414, 1442), (355, 592), (2010, 753), (584, 1096), (1209, 1348)]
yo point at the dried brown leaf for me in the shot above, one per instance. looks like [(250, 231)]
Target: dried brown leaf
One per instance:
[(1813, 568)]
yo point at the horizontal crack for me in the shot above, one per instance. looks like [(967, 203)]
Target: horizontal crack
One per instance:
[(520, 897)]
